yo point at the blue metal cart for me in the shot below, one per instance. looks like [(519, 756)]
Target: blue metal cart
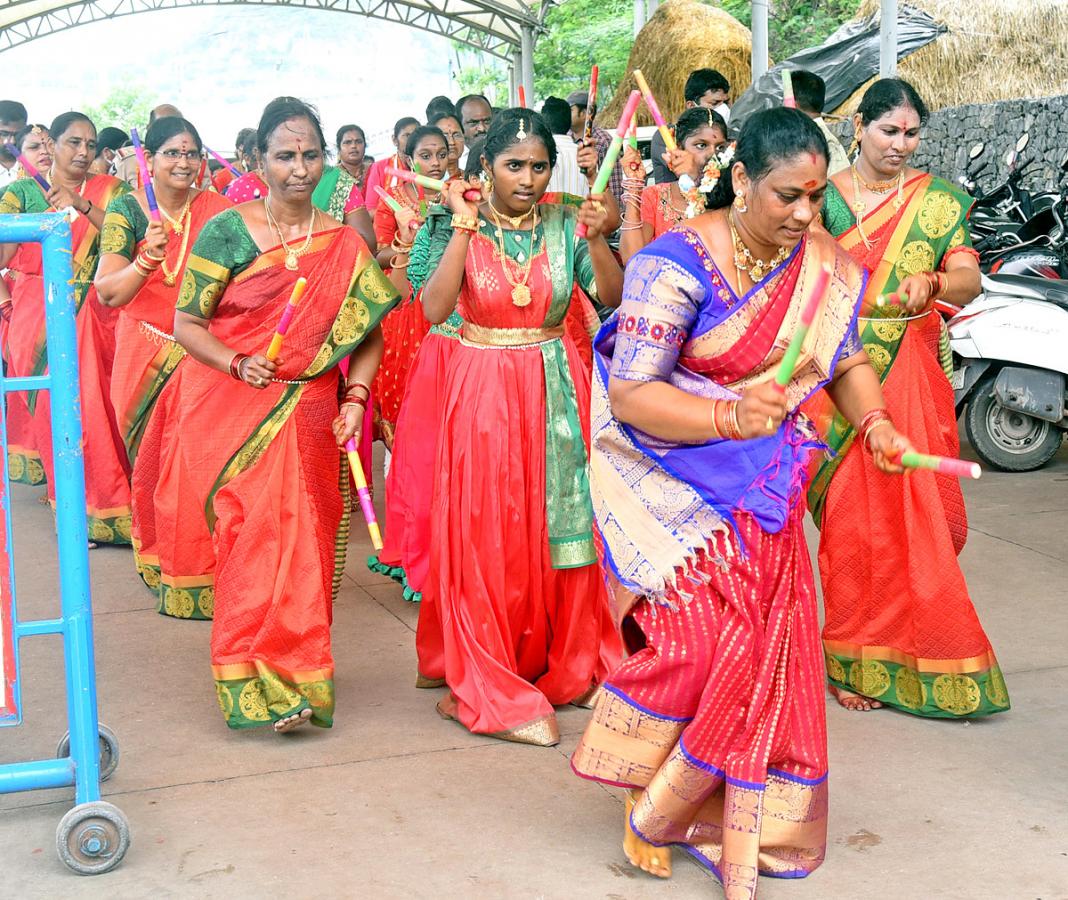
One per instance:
[(93, 836)]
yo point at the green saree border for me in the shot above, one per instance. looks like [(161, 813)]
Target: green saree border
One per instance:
[(264, 698), (25, 467)]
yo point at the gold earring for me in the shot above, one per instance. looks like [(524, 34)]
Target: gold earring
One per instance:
[(855, 146), (487, 180), (740, 204)]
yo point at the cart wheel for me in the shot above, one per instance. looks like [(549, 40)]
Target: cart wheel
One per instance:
[(109, 751), (93, 838)]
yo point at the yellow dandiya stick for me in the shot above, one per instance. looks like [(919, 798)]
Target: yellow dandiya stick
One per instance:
[(287, 316), (650, 101), (808, 314), (363, 493)]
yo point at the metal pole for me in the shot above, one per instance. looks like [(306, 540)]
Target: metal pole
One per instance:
[(651, 6), (888, 39), (760, 38), (527, 45), (639, 16), (513, 77)]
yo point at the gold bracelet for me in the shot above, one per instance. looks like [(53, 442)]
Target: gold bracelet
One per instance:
[(464, 223), (394, 262)]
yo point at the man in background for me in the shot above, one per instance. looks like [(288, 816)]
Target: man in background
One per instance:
[(810, 92), (475, 115), (566, 177), (601, 139), (13, 118)]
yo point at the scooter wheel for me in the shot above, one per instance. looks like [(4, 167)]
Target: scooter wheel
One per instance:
[(1005, 438)]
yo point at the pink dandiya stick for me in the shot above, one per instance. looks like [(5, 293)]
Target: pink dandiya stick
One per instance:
[(434, 184), (225, 162), (522, 96), (287, 316), (788, 99), (650, 101), (613, 151), (591, 103), (420, 190), (363, 493), (945, 465), (30, 168), (808, 314), (142, 164), (388, 199)]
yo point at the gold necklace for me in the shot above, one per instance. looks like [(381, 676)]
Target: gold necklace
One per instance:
[(744, 259), (880, 187), (859, 206), (292, 253), (520, 291), (176, 222), (170, 278), (514, 221)]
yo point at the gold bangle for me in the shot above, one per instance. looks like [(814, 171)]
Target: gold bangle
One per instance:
[(394, 264), (464, 223)]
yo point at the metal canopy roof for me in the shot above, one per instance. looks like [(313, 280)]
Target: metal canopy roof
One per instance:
[(493, 26)]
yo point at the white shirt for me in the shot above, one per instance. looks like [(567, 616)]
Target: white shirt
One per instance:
[(566, 177), (7, 176)]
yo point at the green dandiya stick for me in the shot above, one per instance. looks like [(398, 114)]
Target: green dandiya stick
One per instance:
[(613, 151), (388, 200), (808, 314), (946, 465)]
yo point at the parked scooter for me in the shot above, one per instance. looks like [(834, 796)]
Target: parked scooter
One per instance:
[(1011, 368)]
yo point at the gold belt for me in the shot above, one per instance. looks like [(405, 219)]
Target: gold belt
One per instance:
[(515, 338), (154, 334)]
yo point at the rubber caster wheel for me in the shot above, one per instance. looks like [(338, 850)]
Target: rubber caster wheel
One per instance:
[(109, 751), (93, 838)]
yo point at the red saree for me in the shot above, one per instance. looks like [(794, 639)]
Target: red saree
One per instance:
[(717, 717), (900, 626), (265, 469), (107, 491)]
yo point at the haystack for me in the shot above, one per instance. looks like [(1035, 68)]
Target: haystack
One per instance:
[(994, 50), (683, 35)]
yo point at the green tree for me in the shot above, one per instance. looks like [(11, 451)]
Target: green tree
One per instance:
[(478, 73), (578, 34), (794, 25), (124, 107)]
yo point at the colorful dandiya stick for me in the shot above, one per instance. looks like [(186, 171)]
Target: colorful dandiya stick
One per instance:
[(363, 493), (808, 314), (591, 103), (613, 151), (420, 191), (146, 179), (883, 299), (658, 118), (219, 159), (522, 96), (433, 184), (788, 99), (387, 198), (29, 167), (287, 316), (632, 133), (945, 465)]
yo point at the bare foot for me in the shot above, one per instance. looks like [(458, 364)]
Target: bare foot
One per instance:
[(282, 726), (854, 702), (654, 860)]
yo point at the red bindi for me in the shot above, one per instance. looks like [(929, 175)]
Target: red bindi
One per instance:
[(812, 156), (809, 185)]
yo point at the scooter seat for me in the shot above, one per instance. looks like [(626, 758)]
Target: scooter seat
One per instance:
[(1049, 289)]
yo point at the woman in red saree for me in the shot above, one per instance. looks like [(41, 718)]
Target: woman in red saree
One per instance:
[(513, 583), (900, 627), (650, 211), (404, 328), (259, 440), (715, 723), (141, 266), (107, 489)]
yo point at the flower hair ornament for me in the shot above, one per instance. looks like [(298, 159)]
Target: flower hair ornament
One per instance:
[(698, 193)]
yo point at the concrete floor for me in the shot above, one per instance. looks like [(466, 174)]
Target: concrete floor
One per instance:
[(396, 803)]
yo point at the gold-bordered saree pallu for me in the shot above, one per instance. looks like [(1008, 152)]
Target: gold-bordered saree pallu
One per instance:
[(274, 488), (717, 717), (900, 626)]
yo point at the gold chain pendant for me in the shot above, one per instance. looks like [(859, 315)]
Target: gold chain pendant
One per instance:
[(292, 263), (521, 295)]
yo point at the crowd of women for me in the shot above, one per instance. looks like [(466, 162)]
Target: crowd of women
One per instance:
[(601, 515)]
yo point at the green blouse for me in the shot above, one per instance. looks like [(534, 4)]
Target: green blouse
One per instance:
[(223, 249)]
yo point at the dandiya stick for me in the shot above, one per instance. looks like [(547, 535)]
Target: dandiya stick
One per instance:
[(945, 465), (650, 101), (612, 153), (150, 193), (434, 184), (420, 190), (808, 314), (522, 96), (788, 99), (30, 168), (287, 316), (632, 133), (363, 493), (591, 104), (220, 159), (387, 198)]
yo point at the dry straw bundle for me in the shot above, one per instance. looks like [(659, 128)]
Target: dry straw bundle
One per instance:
[(994, 50), (683, 35)]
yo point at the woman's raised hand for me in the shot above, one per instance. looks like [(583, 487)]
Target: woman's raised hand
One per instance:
[(681, 162), (61, 197), (593, 215), (632, 164), (587, 160), (156, 239), (408, 224), (761, 410), (455, 200)]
